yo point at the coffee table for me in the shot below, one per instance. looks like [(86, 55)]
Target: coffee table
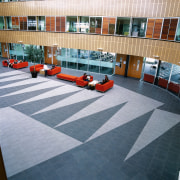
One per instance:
[(92, 84)]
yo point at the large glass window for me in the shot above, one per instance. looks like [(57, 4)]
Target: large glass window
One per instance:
[(61, 56), (84, 24), (1, 23), (41, 23), (94, 61), (71, 24), (175, 76), (95, 25), (8, 22), (139, 27), (150, 66), (178, 32), (83, 59), (122, 26), (107, 63), (72, 58), (32, 23)]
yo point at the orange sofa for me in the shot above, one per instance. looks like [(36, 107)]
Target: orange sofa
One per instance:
[(104, 87), (20, 65), (4, 62), (54, 71), (37, 67), (81, 82), (67, 77)]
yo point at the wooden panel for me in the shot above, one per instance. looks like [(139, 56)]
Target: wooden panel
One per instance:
[(134, 8), (21, 23), (120, 70), (172, 29), (63, 24), (98, 30), (13, 23), (157, 28), (17, 21), (48, 23), (3, 47), (47, 55), (25, 23), (167, 51), (165, 29), (150, 28), (105, 25), (133, 70), (112, 20), (52, 24), (58, 19)]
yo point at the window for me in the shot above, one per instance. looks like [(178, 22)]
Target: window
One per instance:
[(84, 24), (71, 24), (1, 23), (139, 27), (32, 23), (122, 26), (15, 23), (178, 32), (41, 23), (95, 25), (8, 22), (108, 25)]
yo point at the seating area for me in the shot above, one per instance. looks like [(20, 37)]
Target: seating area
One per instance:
[(104, 87), (53, 71), (37, 67), (5, 63), (81, 82), (20, 65)]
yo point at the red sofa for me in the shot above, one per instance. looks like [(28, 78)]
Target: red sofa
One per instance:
[(174, 87), (149, 78), (37, 67), (4, 62), (54, 71), (20, 65), (81, 82), (66, 77), (104, 87)]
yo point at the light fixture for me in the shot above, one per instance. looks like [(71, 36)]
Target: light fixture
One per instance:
[(20, 41), (100, 49), (156, 56), (55, 44)]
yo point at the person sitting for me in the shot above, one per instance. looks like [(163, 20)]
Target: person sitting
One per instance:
[(45, 69), (53, 66), (106, 79), (85, 77), (20, 61)]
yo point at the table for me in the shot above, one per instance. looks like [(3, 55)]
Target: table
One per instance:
[(42, 72), (92, 84)]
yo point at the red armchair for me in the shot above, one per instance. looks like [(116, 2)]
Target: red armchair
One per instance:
[(54, 71), (37, 67), (20, 65), (104, 87), (81, 82)]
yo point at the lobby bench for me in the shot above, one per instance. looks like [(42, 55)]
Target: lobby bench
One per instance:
[(67, 77), (4, 62), (38, 67), (174, 87), (149, 78)]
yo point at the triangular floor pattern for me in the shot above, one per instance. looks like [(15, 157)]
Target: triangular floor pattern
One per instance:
[(83, 128), (60, 114)]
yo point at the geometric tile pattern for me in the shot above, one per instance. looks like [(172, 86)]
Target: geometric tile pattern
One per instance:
[(75, 132)]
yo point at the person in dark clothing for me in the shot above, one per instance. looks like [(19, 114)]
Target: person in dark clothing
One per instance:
[(106, 79)]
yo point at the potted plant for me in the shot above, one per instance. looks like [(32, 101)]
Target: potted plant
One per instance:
[(34, 54)]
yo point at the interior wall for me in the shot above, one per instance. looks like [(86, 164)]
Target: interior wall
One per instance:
[(136, 8), (3, 47), (167, 51)]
